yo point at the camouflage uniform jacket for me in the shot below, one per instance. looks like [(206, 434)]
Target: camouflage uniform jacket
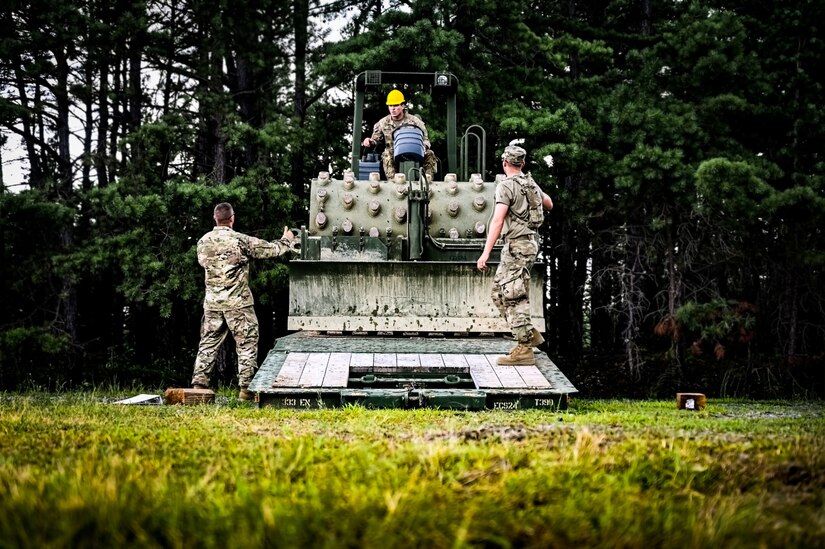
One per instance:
[(508, 192), (384, 128), (224, 254)]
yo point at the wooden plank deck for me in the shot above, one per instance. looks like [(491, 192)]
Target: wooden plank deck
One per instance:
[(337, 371), (332, 369)]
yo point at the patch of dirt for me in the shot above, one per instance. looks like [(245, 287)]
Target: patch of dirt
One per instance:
[(794, 410), (503, 432)]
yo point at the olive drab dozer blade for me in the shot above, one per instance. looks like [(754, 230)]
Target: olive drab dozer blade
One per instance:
[(386, 302)]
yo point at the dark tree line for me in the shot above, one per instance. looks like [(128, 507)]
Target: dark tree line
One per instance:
[(681, 140)]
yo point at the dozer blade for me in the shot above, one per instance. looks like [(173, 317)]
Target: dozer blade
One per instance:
[(362, 296)]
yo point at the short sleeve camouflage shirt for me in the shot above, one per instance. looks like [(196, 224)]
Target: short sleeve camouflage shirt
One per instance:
[(508, 192)]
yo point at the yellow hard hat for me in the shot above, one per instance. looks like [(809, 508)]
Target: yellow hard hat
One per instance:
[(395, 97)]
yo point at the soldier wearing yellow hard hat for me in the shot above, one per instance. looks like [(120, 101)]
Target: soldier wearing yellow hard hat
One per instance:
[(395, 97), (383, 131)]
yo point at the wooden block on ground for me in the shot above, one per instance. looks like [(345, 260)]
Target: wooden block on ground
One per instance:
[(690, 401), (188, 396)]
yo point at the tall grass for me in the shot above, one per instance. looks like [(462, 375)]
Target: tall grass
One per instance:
[(77, 471)]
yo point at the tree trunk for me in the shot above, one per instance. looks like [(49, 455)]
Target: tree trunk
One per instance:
[(646, 17), (570, 281), (88, 109), (116, 116), (62, 130), (67, 314), (632, 295), (301, 27), (135, 59), (35, 166), (603, 290), (216, 121), (673, 282), (101, 165)]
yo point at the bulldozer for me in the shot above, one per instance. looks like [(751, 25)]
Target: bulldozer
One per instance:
[(386, 306)]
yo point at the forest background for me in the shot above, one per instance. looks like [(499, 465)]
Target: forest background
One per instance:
[(685, 250)]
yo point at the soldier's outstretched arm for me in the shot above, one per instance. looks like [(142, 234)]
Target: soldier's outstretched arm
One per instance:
[(262, 249)]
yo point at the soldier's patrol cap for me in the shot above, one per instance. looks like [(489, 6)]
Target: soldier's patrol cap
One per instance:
[(514, 155)]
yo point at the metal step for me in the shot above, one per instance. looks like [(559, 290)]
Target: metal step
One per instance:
[(311, 370)]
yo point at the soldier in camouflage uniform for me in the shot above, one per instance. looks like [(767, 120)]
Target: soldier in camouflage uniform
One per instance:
[(511, 284), (228, 305), (383, 131)]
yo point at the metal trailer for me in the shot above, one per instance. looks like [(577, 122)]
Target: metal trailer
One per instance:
[(386, 302)]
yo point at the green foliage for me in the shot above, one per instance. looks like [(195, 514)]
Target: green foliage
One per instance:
[(270, 282), (717, 320), (732, 192), (799, 204), (647, 166), (24, 338), (25, 350), (31, 226)]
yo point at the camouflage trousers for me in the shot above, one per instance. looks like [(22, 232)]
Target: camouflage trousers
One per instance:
[(215, 325), (511, 286), (388, 162)]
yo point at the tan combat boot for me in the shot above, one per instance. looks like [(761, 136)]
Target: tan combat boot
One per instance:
[(535, 340), (522, 355), (246, 395)]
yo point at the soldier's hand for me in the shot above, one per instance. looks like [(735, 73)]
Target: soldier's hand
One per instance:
[(287, 233), (367, 142)]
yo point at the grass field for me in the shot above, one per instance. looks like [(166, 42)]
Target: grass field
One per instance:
[(79, 471)]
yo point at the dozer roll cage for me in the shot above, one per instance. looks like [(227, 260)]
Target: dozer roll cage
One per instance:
[(442, 83)]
